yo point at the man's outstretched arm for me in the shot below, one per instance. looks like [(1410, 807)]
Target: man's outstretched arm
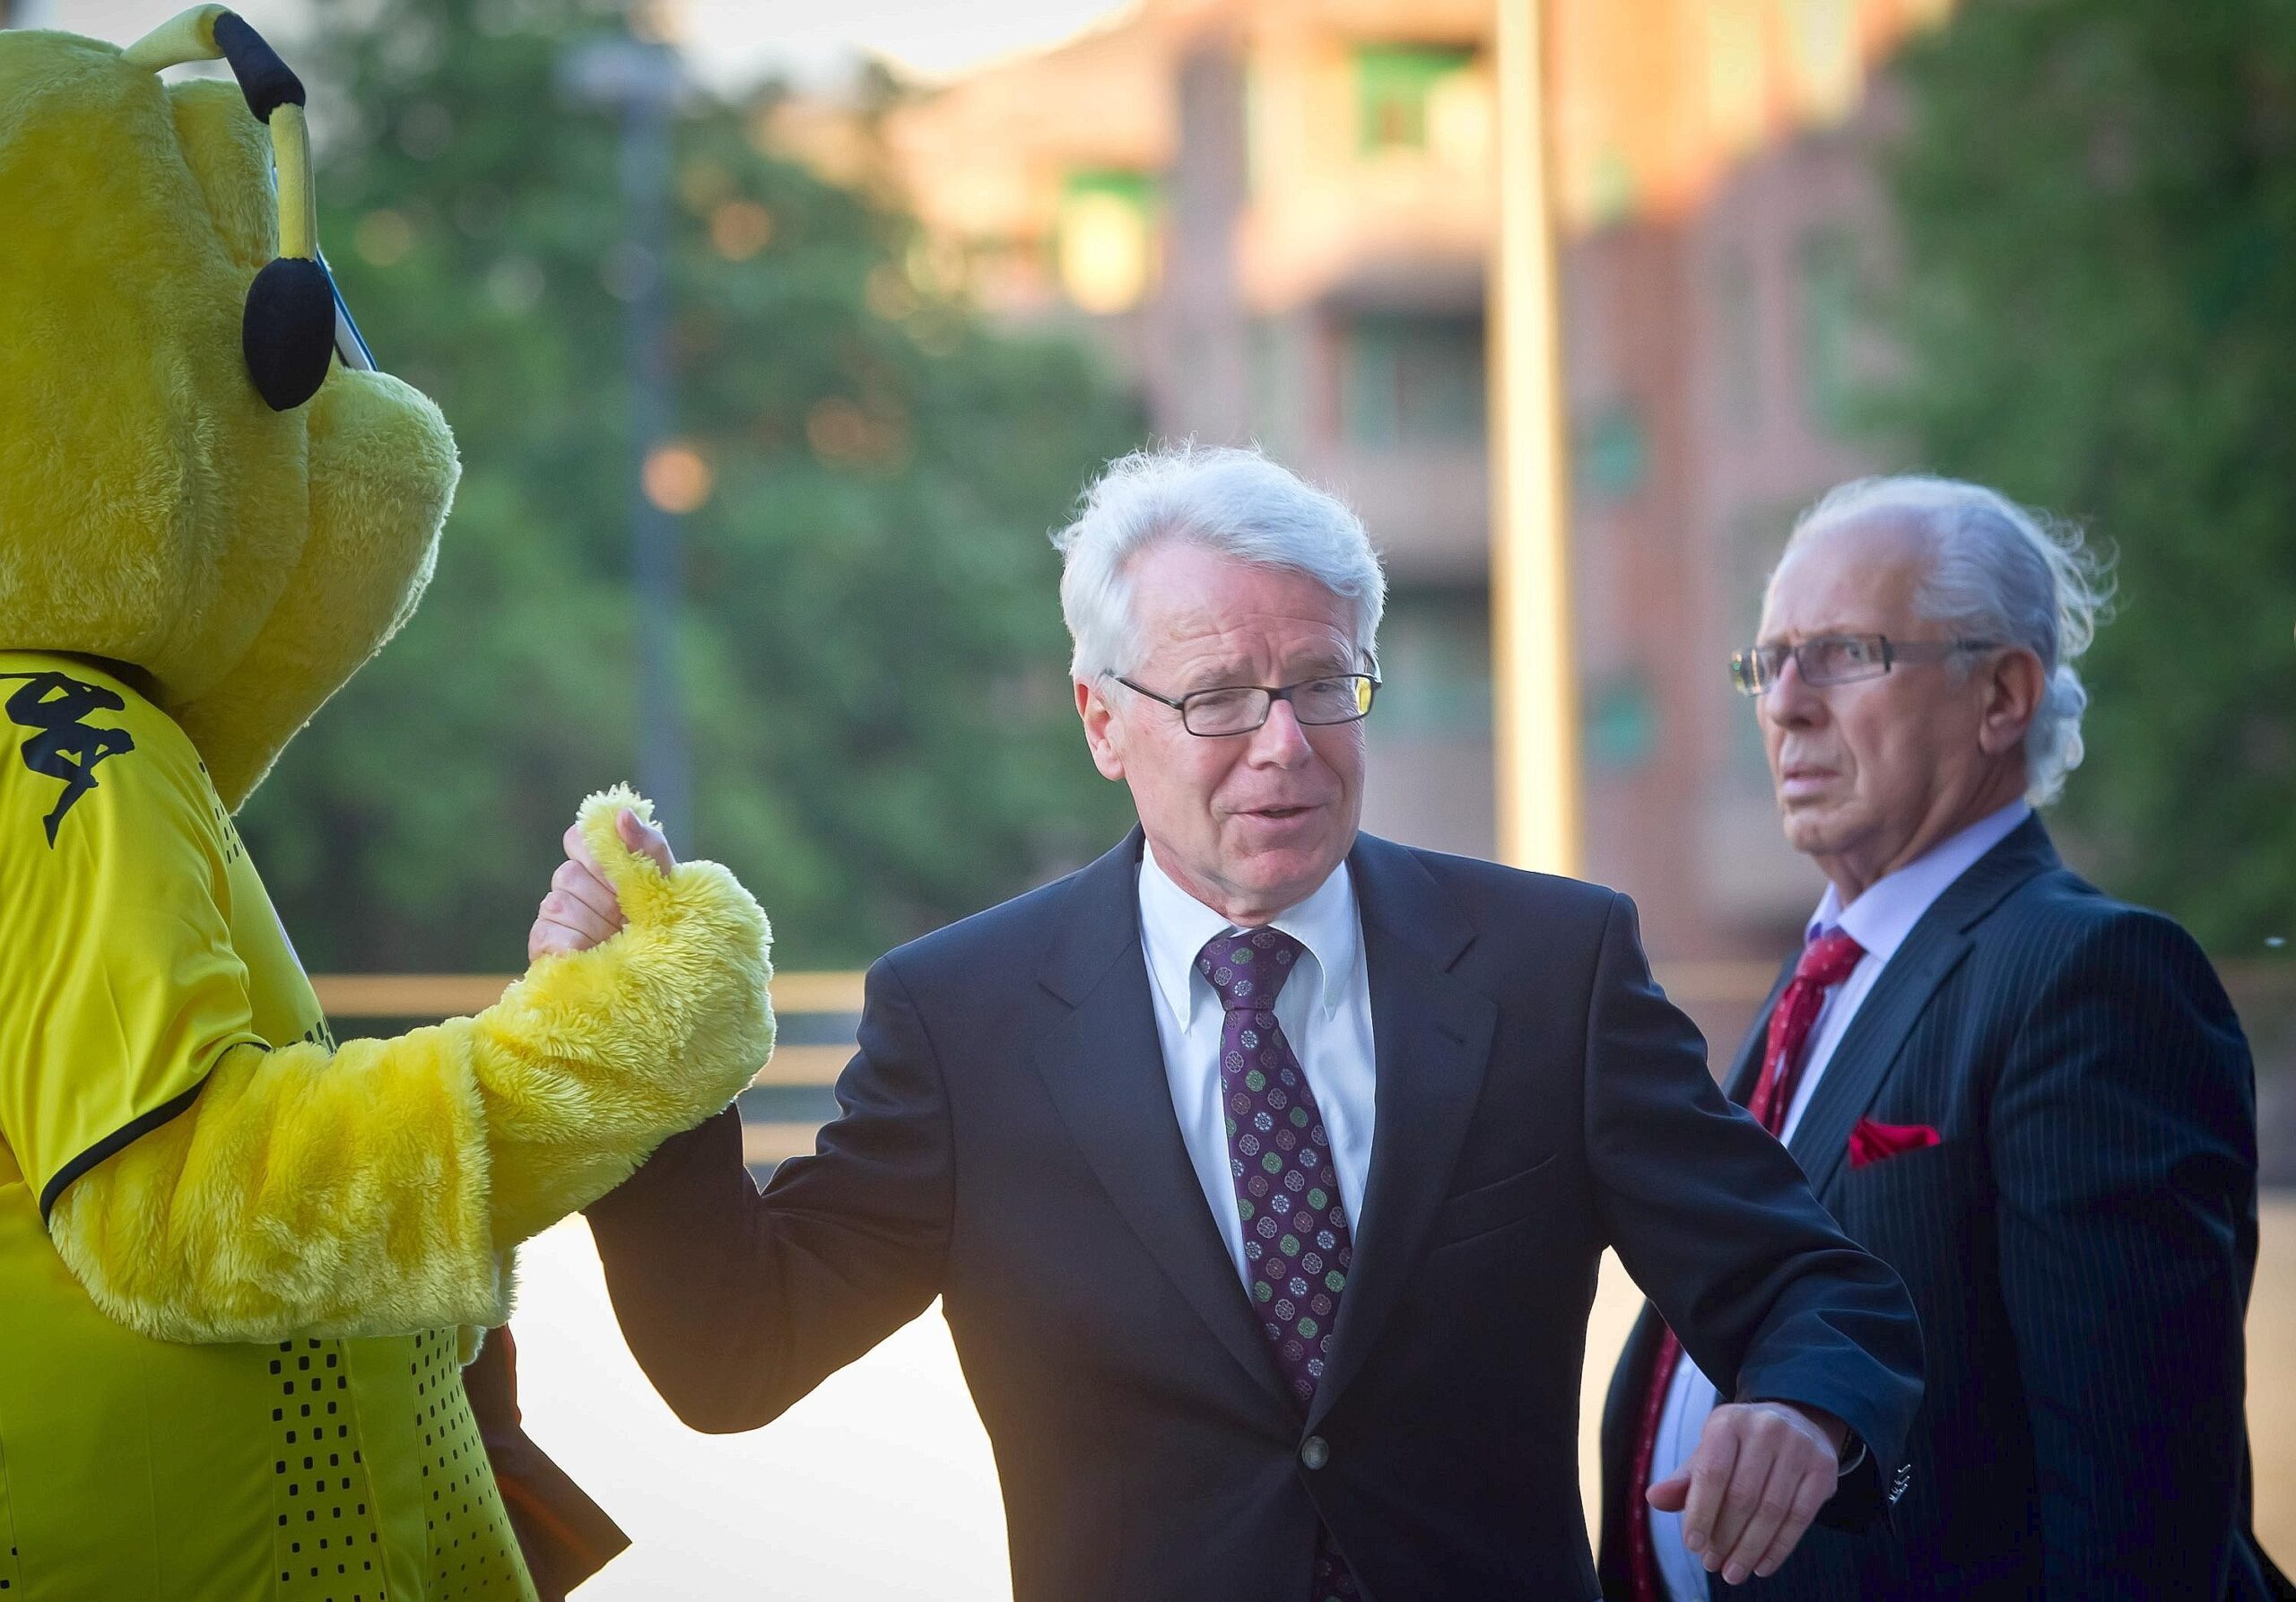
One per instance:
[(736, 1303), (1719, 1226)]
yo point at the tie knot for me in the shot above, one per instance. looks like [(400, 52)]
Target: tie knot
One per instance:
[(1827, 960), (1247, 967)]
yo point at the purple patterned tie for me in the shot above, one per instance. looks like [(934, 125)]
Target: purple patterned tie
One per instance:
[(1296, 1241)]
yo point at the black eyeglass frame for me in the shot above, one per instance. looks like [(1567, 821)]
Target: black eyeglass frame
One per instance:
[(1274, 694), (1753, 671)]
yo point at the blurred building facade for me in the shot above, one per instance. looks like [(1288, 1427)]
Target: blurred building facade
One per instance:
[(1276, 214)]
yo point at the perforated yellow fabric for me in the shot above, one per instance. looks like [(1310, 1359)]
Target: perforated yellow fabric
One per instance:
[(137, 1468)]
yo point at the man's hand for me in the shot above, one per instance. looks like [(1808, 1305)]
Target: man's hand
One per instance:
[(1760, 1475), (581, 909)]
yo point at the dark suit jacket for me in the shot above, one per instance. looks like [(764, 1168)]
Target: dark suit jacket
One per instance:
[(1008, 1144), (2079, 1246)]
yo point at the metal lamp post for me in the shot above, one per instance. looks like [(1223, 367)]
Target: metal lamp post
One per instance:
[(1534, 671), (640, 78)]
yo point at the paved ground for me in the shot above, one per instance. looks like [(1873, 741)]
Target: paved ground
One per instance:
[(880, 1487), (2272, 1380)]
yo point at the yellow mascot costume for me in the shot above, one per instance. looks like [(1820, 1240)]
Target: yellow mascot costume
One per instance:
[(240, 1264)]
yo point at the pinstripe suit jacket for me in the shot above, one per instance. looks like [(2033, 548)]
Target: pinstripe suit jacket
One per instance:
[(2079, 1245)]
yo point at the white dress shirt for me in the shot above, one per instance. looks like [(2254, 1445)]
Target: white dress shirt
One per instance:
[(1879, 920), (1324, 1010)]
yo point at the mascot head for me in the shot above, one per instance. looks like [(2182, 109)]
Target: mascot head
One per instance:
[(201, 477)]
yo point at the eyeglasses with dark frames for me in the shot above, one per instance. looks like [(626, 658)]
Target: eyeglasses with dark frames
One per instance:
[(1828, 659), (1240, 709)]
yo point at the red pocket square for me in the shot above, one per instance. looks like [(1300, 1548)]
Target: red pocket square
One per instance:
[(1870, 1142)]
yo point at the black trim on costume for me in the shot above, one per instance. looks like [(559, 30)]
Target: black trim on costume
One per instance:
[(126, 1135), (268, 81), (287, 332)]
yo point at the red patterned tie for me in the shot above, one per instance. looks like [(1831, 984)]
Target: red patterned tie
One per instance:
[(1825, 963), (1297, 1245)]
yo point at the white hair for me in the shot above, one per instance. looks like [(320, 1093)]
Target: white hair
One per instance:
[(1998, 571), (1236, 503)]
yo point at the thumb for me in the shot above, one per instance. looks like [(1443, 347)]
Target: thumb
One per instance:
[(635, 873), (1671, 1494), (645, 841)]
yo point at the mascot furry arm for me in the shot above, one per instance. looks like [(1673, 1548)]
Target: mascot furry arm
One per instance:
[(367, 1189)]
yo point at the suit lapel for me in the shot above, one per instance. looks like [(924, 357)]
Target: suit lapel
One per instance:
[(1431, 1035), (1102, 1062), (1868, 1049)]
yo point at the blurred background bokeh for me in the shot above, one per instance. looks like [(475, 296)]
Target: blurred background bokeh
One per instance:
[(776, 337)]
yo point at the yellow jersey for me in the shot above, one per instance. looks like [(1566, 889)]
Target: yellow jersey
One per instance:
[(138, 946)]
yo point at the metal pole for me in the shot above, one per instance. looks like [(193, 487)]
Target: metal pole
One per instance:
[(664, 766), (639, 78), (1535, 674)]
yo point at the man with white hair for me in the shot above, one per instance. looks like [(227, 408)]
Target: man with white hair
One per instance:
[(2034, 1101), (1262, 1167)]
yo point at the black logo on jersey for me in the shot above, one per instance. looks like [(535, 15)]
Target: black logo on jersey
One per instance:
[(64, 744)]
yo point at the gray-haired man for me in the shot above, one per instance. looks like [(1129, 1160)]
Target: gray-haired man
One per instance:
[(2033, 1101), (1263, 1166)]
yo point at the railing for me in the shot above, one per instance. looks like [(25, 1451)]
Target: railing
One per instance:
[(817, 1012), (426, 997), (784, 1107), (433, 995)]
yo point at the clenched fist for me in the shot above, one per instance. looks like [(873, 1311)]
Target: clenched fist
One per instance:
[(581, 909)]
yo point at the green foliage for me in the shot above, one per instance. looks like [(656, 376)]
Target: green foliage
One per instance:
[(871, 647), (2098, 199)]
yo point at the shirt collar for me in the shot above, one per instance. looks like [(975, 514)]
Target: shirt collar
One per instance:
[(1174, 926), (1880, 919)]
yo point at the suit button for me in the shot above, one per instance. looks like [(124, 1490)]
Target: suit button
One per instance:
[(1315, 1451)]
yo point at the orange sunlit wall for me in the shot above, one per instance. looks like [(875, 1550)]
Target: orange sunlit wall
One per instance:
[(1653, 98)]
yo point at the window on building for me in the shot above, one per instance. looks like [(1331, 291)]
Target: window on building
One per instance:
[(1620, 731), (1105, 241), (1266, 150), (1611, 191), (1612, 452), (1410, 379), (1279, 418), (1395, 85), (1831, 298), (1435, 664), (1750, 543), (1822, 42), (1737, 73), (1737, 347)]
